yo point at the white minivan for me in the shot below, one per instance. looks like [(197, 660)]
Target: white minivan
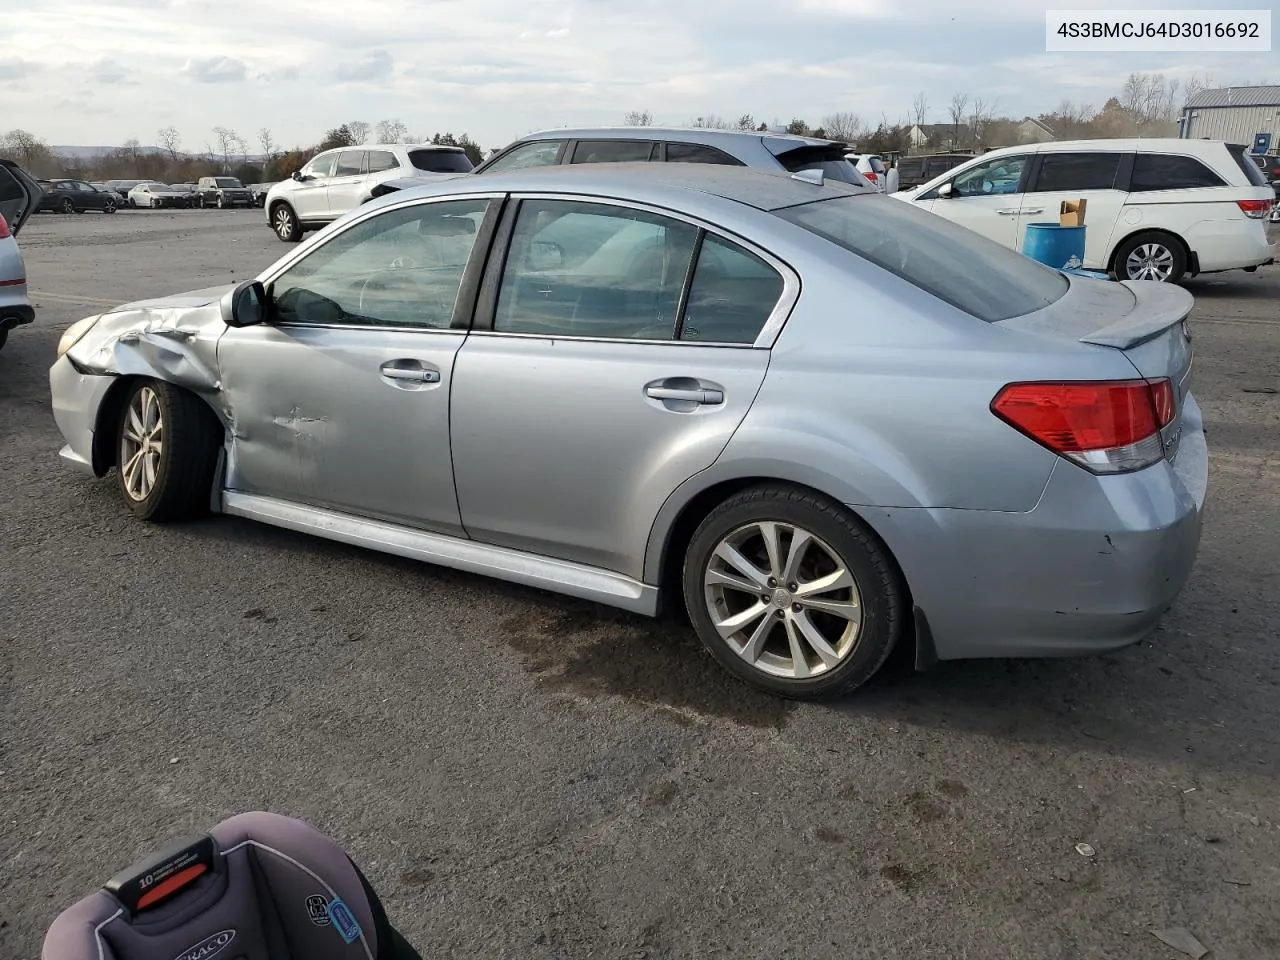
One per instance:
[(1157, 209)]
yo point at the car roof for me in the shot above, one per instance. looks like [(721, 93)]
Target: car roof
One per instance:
[(691, 134), (1125, 144), (673, 185), (437, 147)]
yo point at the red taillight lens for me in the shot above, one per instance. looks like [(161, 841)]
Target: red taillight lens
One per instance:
[(1105, 426), (1255, 209), (4, 227), (871, 175)]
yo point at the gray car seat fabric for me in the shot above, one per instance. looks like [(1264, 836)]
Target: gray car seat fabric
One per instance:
[(258, 887)]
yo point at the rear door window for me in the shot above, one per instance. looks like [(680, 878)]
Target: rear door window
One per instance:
[(1077, 171), (349, 163), (440, 161), (699, 153), (1163, 171), (380, 160), (972, 273), (612, 151), (732, 294)]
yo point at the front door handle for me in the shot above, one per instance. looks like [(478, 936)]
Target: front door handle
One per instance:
[(1034, 212), (412, 374), (1008, 212), (691, 396)]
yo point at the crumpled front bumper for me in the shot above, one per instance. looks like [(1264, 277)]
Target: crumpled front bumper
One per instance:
[(77, 400)]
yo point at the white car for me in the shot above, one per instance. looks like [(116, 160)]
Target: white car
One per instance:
[(339, 180), (1157, 209), (871, 167), (154, 195)]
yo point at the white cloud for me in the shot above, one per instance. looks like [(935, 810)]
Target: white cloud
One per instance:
[(108, 71), (374, 65), (216, 70)]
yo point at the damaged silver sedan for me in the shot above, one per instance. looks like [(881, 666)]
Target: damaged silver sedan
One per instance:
[(823, 421)]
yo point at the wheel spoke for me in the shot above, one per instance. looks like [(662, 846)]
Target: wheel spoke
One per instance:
[(755, 645), (769, 534), (730, 555), (131, 470), (845, 609), (799, 662), (135, 425), (813, 636), (725, 578), (148, 473), (732, 624), (839, 579), (800, 540)]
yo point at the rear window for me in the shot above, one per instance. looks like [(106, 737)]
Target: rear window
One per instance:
[(1247, 164), (956, 265), (440, 161), (1163, 171), (876, 164), (830, 160)]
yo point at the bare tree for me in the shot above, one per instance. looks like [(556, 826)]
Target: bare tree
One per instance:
[(268, 144), (957, 109), (227, 140), (638, 118), (25, 147), (711, 122), (1195, 84), (391, 131), (359, 131), (919, 109), (171, 140), (843, 126), (979, 116)]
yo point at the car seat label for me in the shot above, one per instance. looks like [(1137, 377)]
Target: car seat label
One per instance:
[(344, 921), (318, 910)]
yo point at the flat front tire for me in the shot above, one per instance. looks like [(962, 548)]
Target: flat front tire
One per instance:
[(792, 593), (285, 223), (167, 441)]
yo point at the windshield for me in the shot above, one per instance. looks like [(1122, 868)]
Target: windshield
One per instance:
[(227, 182), (956, 265), (440, 161)]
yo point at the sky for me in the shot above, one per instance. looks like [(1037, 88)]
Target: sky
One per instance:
[(98, 72)]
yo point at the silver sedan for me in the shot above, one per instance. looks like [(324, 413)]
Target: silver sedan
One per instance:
[(822, 421)]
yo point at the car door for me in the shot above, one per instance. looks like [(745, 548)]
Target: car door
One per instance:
[(89, 196), (347, 182), (19, 195), (584, 396), (986, 197), (309, 193), (1091, 175), (341, 401)]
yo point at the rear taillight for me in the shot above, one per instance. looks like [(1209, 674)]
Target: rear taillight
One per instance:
[(4, 227), (1255, 209), (870, 175), (1105, 426)]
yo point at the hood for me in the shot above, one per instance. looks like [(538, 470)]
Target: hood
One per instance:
[(178, 301)]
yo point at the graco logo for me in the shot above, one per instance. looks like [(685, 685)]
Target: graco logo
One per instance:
[(317, 910), (208, 947)]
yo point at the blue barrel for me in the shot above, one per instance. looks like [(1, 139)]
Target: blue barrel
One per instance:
[(1061, 248)]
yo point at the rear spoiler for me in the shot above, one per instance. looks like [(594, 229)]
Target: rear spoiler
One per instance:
[(1157, 307)]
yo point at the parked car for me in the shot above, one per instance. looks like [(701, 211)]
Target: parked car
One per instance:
[(913, 171), (872, 167), (221, 192), (258, 193), (1157, 209), (19, 198), (154, 195), (336, 181), (120, 199), (823, 420), (189, 189), (121, 188), (75, 196)]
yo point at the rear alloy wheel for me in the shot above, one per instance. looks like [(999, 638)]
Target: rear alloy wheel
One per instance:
[(68, 206), (285, 223), (168, 444), (790, 592), (1151, 256)]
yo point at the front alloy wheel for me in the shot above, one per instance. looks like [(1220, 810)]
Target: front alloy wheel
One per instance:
[(141, 444), (285, 223)]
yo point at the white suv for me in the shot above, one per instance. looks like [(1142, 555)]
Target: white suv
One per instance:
[(872, 167), (1157, 209), (339, 180)]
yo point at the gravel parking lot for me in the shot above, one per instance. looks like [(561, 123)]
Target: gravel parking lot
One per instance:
[(528, 776)]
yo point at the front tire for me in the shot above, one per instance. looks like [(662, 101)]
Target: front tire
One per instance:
[(285, 223), (167, 441), (791, 593), (1151, 256), (110, 207), (68, 206)]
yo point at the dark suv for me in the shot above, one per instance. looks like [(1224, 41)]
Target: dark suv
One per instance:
[(913, 171), (222, 192)]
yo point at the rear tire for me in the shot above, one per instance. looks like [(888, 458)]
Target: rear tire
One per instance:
[(812, 625), (110, 207), (167, 443), (285, 223), (68, 206), (1151, 256)]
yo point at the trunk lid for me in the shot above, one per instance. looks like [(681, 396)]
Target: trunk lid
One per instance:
[(1143, 319)]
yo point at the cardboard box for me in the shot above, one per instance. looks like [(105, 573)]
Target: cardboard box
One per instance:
[(1071, 213)]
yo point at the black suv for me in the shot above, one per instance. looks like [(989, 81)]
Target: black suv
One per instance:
[(913, 171), (222, 192)]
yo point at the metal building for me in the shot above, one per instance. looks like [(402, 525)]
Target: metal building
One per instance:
[(1248, 115)]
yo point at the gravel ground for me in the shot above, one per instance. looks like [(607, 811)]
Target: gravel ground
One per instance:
[(527, 776)]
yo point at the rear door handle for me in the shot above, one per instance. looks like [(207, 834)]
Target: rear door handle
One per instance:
[(1035, 211), (412, 374), (692, 396), (1008, 212)]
